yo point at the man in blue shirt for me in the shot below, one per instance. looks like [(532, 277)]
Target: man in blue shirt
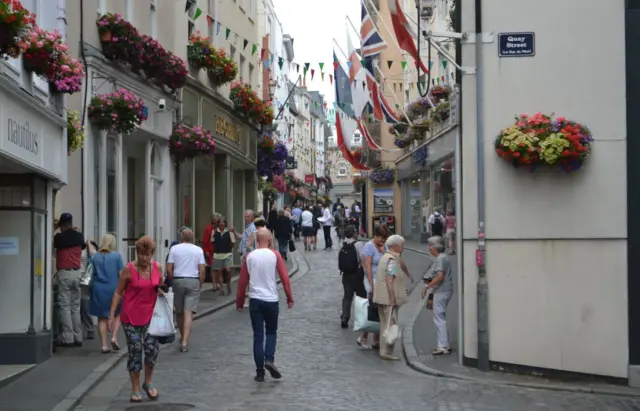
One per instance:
[(296, 213), (247, 244)]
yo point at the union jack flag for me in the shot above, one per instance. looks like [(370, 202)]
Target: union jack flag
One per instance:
[(371, 41)]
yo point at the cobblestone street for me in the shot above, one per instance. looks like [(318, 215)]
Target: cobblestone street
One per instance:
[(322, 368)]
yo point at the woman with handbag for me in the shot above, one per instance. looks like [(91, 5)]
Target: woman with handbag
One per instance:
[(389, 294), (106, 265), (139, 286)]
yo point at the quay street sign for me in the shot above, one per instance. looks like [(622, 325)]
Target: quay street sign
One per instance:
[(517, 44)]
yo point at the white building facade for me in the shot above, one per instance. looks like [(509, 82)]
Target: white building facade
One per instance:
[(33, 167), (549, 306)]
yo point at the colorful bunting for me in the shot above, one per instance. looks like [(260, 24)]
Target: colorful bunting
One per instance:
[(254, 48), (321, 65), (209, 20), (227, 33), (444, 64), (244, 44), (280, 62), (188, 5), (404, 64), (389, 63), (198, 14), (312, 73)]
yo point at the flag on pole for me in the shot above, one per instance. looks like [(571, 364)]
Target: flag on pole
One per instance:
[(404, 32)]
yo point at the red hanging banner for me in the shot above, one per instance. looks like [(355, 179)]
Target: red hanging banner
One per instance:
[(309, 178)]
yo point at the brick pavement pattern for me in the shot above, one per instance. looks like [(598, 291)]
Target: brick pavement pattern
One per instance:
[(322, 368)]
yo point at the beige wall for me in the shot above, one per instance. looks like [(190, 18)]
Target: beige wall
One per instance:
[(556, 269)]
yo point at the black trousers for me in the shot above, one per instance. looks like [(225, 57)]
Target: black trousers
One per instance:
[(352, 284), (327, 236)]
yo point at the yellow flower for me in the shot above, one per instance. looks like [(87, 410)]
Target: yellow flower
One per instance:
[(552, 147)]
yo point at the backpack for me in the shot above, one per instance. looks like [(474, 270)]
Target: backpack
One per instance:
[(348, 259), (438, 225)]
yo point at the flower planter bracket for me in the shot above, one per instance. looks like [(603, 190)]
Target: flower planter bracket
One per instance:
[(104, 79)]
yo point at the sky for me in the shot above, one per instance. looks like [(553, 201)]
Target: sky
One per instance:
[(313, 25)]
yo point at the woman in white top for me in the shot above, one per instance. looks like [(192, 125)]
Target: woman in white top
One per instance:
[(308, 232)]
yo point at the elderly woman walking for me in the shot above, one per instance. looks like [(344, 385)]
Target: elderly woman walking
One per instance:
[(442, 285), (139, 283), (390, 291), (107, 265)]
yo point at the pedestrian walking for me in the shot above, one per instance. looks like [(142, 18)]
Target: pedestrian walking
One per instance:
[(390, 293), (307, 225), (295, 215), (259, 271), (442, 285), (68, 245), (450, 231), (107, 265), (208, 248), (436, 224), (223, 240), (283, 230), (139, 285), (247, 239), (185, 271), (351, 272), (327, 223)]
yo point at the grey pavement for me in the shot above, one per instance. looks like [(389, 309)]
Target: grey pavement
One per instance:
[(59, 382), (321, 365)]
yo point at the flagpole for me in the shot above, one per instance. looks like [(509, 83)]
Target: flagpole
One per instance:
[(384, 77), (411, 71)]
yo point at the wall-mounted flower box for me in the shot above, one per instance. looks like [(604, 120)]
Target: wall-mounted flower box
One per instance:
[(122, 42), (246, 101), (15, 23), (382, 176), (542, 140), (187, 143), (120, 111)]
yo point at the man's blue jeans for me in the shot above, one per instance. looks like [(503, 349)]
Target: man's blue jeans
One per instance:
[(264, 320)]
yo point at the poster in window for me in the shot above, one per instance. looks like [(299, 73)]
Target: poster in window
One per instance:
[(382, 200)]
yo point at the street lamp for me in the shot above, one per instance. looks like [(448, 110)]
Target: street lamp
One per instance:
[(272, 88)]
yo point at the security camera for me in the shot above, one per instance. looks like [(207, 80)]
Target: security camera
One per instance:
[(162, 104)]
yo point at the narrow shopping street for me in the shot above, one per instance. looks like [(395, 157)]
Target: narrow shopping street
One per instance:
[(322, 368)]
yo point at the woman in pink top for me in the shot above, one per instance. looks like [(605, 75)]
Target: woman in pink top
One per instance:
[(450, 231), (139, 283)]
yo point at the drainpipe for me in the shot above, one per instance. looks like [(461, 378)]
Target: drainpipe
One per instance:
[(482, 285)]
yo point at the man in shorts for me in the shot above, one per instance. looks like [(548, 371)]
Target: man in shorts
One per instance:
[(185, 271)]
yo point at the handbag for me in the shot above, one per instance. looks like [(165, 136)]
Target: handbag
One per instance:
[(86, 276), (392, 331), (292, 246), (161, 325), (372, 312)]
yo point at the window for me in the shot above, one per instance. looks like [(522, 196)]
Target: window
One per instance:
[(192, 24), (102, 7), (211, 28), (250, 78), (154, 18), (241, 69), (232, 52)]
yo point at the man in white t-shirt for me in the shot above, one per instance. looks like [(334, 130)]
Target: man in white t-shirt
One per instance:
[(185, 271), (327, 223), (259, 271), (306, 223)]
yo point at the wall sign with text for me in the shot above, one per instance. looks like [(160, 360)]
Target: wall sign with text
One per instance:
[(517, 44)]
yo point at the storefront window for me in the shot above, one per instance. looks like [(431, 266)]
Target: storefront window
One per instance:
[(443, 190), (412, 208), (96, 185)]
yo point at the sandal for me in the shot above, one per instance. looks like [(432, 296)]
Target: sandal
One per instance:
[(148, 388), (362, 344), (184, 348), (105, 350), (114, 345), (136, 397), (441, 351), (221, 292)]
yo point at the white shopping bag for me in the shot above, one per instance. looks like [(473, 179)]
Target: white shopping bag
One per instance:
[(361, 318), (162, 320)]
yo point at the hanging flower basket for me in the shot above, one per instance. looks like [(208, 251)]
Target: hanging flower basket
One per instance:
[(15, 23), (41, 48), (358, 182), (75, 132), (246, 101), (175, 72), (439, 92), (120, 111), (542, 140), (418, 109), (186, 143), (153, 59), (66, 75), (270, 193), (120, 40), (382, 176), (279, 184), (265, 117), (266, 145), (401, 143)]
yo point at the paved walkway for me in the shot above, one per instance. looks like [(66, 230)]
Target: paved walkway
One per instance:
[(322, 367), (70, 373)]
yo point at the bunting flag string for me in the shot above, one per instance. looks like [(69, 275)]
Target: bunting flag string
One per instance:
[(269, 60)]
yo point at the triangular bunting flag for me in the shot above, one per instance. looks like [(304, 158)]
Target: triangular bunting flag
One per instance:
[(364, 85), (254, 48), (438, 81), (313, 72), (209, 20), (297, 67), (306, 68), (331, 78), (188, 5), (430, 64), (335, 65), (227, 34), (244, 44), (321, 65), (262, 51), (322, 77), (404, 64), (280, 62), (217, 28), (442, 79), (444, 64), (198, 14), (266, 64), (389, 63), (397, 106)]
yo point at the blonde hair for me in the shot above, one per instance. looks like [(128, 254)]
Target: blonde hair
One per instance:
[(107, 243)]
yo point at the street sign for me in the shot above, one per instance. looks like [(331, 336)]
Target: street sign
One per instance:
[(517, 44), (290, 163)]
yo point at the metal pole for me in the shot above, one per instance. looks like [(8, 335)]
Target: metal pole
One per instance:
[(287, 99), (458, 212), (482, 285)]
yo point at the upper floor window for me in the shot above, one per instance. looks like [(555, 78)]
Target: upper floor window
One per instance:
[(241, 64), (250, 78), (192, 23), (252, 8)]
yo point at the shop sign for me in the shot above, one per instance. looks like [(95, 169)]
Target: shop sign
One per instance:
[(309, 178), (227, 129), (291, 163), (382, 200)]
